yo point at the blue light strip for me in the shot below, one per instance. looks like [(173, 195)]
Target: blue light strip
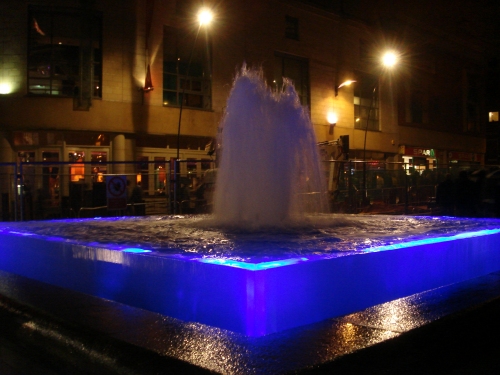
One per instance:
[(291, 261), (252, 266), (135, 250), (20, 233), (433, 240)]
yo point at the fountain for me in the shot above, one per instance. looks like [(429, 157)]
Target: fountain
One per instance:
[(259, 265), (269, 169)]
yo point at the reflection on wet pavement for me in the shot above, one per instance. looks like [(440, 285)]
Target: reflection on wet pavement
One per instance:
[(231, 353)]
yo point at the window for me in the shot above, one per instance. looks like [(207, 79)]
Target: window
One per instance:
[(28, 170), (191, 166), (206, 164), (99, 165), (77, 168), (417, 107), (186, 69), (292, 28), (64, 52), (50, 177), (296, 70), (365, 50), (473, 107), (366, 102), (160, 174), (493, 116), (142, 170)]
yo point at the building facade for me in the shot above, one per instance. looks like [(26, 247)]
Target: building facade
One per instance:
[(93, 82)]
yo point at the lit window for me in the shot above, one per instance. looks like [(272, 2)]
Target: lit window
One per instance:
[(142, 169), (493, 116), (160, 174), (99, 165), (77, 167)]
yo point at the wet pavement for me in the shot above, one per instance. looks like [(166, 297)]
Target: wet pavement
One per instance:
[(50, 330)]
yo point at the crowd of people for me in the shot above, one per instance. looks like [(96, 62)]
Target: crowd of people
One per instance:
[(475, 194), (469, 195), (195, 195), (448, 192)]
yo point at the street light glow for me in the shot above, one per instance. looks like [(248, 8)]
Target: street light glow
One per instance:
[(5, 88), (332, 118), (346, 83), (205, 17), (389, 59)]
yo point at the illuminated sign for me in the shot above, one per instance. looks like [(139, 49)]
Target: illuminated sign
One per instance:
[(418, 151)]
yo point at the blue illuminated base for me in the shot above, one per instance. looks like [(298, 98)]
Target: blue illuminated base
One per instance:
[(254, 299)]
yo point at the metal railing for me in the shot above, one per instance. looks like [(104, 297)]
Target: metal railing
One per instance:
[(50, 190)]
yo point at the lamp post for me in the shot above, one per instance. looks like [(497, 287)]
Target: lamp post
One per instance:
[(204, 18), (344, 142), (389, 60)]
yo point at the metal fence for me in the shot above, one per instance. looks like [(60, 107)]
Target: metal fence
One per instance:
[(401, 188), (53, 190)]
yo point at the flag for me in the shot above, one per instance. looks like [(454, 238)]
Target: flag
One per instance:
[(37, 28)]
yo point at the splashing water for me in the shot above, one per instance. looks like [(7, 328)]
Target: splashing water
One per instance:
[(269, 173)]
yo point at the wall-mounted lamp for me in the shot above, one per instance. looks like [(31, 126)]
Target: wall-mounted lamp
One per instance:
[(346, 83), (332, 119), (148, 84), (5, 88)]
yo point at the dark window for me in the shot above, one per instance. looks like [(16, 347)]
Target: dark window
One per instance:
[(366, 102), (296, 70), (473, 108), (186, 9), (417, 107), (64, 52), (364, 50), (206, 164), (186, 68), (292, 27)]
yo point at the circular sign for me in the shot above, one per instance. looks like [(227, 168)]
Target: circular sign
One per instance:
[(117, 186)]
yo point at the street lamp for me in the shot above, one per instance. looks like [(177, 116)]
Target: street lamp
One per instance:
[(346, 83), (389, 60), (204, 17)]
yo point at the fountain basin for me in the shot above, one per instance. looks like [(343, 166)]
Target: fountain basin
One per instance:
[(252, 296)]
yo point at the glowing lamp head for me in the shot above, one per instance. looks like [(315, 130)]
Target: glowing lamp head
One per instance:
[(389, 59), (332, 118), (346, 83), (205, 17), (5, 88)]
